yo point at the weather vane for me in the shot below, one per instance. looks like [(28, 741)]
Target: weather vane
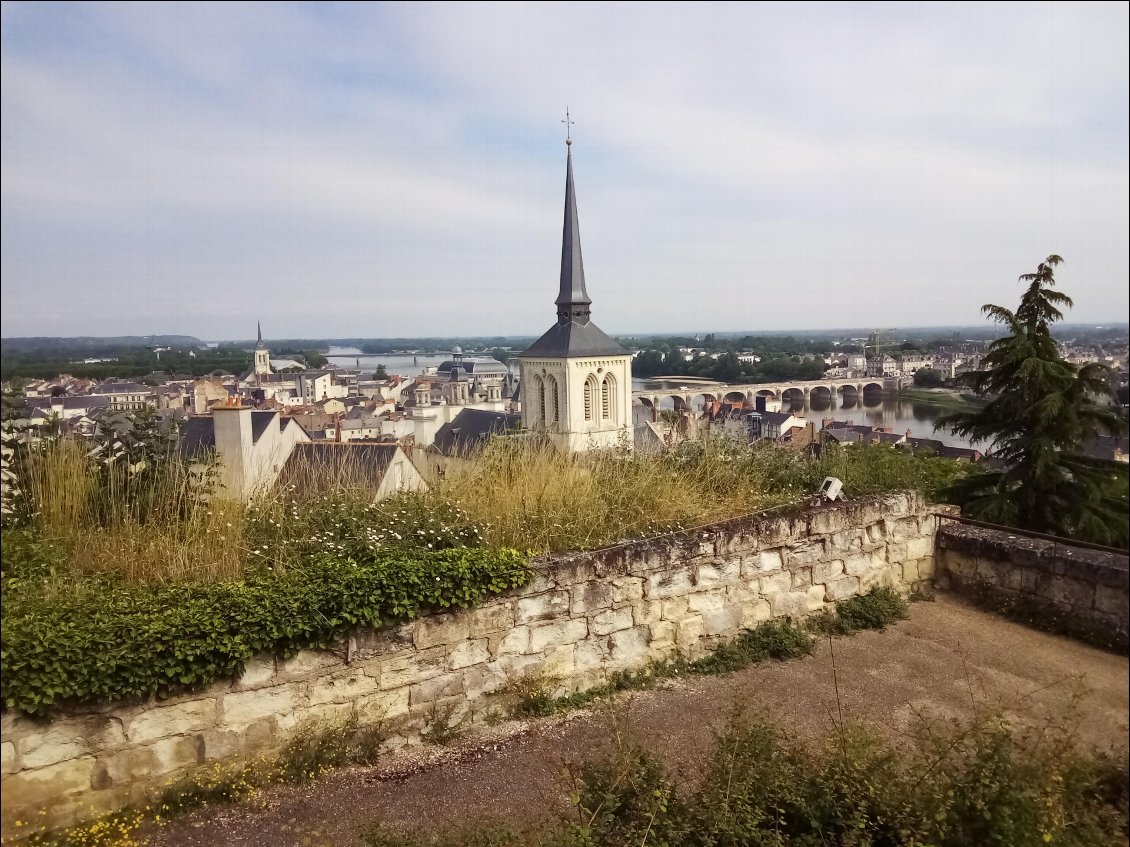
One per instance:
[(568, 127)]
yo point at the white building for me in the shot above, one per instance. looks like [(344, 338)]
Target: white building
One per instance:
[(576, 381)]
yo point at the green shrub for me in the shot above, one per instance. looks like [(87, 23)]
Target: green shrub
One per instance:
[(124, 640), (950, 785), (877, 609)]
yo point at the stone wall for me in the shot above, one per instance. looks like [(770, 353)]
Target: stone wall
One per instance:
[(1057, 586), (583, 617)]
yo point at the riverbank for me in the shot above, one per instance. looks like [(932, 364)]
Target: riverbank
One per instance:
[(942, 397)]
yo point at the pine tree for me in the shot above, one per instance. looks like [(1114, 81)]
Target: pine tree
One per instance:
[(1041, 414)]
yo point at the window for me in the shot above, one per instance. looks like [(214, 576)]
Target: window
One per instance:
[(607, 397), (552, 411), (588, 398)]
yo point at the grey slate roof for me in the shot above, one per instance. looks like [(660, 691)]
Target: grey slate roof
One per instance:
[(471, 429), (364, 463), (574, 340), (197, 437)]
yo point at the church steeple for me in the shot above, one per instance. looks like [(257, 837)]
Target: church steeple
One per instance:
[(573, 300), (259, 345)]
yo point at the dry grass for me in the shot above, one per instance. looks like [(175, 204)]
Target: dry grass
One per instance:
[(531, 496), (153, 527)]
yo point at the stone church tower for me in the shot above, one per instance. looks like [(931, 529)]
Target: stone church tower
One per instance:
[(262, 355), (576, 381)]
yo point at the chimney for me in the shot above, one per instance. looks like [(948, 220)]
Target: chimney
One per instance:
[(232, 427)]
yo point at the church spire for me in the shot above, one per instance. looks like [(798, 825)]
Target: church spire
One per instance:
[(573, 300), (259, 345)]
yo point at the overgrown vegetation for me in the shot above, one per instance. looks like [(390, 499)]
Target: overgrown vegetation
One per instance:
[(1042, 413), (532, 496), (104, 640), (778, 640), (981, 782)]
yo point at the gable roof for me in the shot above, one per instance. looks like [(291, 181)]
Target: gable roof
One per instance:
[(357, 463), (572, 340), (471, 429)]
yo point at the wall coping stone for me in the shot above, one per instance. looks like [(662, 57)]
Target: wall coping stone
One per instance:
[(1053, 557)]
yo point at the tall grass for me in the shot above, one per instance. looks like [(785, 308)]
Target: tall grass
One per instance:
[(151, 524), (529, 495), (163, 525)]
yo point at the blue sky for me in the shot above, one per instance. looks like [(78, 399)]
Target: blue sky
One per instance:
[(380, 170)]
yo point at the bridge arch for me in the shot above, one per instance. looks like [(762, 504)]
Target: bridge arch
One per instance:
[(793, 394)]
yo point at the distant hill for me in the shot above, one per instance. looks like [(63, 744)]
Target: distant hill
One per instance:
[(54, 346)]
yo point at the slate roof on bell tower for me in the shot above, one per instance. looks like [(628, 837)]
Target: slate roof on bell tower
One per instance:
[(574, 334)]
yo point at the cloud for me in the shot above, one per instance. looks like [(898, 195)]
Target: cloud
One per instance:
[(343, 170)]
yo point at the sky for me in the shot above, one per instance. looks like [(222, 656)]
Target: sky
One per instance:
[(379, 170)]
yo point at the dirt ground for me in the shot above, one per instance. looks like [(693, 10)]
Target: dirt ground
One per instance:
[(946, 660)]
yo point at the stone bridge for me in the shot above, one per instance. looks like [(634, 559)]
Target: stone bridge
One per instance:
[(695, 394)]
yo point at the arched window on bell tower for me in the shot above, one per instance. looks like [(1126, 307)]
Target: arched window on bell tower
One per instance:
[(608, 398)]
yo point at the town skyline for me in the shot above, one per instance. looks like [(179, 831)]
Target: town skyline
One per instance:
[(397, 173)]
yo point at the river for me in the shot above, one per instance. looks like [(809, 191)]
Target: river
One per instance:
[(900, 415)]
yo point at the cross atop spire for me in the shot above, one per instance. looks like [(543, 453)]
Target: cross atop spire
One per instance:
[(568, 127)]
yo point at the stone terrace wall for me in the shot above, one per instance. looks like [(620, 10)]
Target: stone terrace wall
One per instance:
[(583, 617), (1079, 591)]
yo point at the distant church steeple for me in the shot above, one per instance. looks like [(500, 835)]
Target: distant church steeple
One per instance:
[(262, 354)]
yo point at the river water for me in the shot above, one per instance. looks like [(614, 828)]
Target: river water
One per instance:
[(900, 415)]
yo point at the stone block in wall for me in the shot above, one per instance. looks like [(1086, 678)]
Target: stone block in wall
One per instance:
[(672, 583), (844, 543), (495, 616), (646, 612), (62, 740), (688, 632), (726, 621), (259, 670), (134, 764), (706, 601), (561, 661), (768, 561), (926, 567), (449, 685), (916, 548), (802, 578), (824, 571), (774, 532), (1111, 601), (8, 762), (881, 576), (543, 607), (863, 563), (755, 612), (440, 630), (515, 641), (219, 744), (306, 663), (481, 680), (674, 608), (368, 643), (590, 654), (468, 653), (43, 788), (591, 597), (243, 707), (553, 634), (384, 705), (776, 583), (1073, 592), (577, 569), (805, 553), (181, 718), (797, 603), (896, 551), (611, 620), (903, 529), (341, 687), (662, 635), (841, 588), (626, 589)]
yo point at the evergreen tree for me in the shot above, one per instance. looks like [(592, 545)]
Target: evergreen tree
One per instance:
[(1042, 413)]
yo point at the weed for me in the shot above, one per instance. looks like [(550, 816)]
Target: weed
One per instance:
[(442, 727)]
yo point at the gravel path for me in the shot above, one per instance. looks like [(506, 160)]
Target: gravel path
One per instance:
[(942, 660)]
